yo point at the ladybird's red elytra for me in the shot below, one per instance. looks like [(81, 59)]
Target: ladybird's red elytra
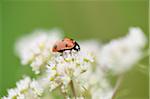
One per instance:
[(65, 44)]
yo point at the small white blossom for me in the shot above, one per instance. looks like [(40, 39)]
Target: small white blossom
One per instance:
[(12, 93), (38, 90), (92, 46), (23, 84), (21, 96), (136, 38), (35, 49), (121, 54), (95, 82), (25, 89), (102, 94)]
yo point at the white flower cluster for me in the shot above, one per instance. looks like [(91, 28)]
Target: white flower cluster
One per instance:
[(121, 54), (83, 72), (63, 69), (95, 82), (35, 49), (25, 89)]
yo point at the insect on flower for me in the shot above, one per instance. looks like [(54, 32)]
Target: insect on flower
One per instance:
[(66, 44)]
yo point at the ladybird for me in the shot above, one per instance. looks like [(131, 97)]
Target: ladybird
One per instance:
[(66, 44)]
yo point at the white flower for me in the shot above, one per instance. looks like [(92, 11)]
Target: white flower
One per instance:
[(35, 49), (93, 81), (92, 46), (102, 94), (21, 96), (37, 89), (121, 54), (12, 93), (99, 86), (136, 38), (25, 89), (67, 67), (23, 84)]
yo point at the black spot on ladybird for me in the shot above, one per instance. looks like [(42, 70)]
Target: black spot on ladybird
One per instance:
[(66, 45)]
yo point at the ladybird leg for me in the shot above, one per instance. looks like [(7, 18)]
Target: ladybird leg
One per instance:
[(61, 54), (70, 51)]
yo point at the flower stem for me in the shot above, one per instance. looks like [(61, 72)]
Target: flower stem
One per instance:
[(73, 89), (117, 86)]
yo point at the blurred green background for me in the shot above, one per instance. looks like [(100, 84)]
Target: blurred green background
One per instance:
[(81, 19)]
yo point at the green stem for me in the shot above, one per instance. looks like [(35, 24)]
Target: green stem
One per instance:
[(117, 86), (73, 89)]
